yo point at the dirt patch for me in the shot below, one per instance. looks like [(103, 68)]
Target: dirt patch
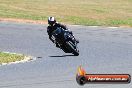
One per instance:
[(22, 20)]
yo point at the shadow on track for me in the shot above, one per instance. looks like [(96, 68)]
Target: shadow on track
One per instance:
[(62, 56)]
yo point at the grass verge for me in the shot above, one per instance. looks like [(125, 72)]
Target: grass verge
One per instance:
[(86, 12), (9, 57)]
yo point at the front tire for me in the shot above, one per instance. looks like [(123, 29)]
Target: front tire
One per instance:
[(73, 48), (76, 52)]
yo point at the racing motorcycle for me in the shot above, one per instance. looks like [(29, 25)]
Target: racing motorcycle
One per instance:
[(65, 41)]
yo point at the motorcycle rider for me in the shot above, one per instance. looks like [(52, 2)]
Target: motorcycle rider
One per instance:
[(53, 26)]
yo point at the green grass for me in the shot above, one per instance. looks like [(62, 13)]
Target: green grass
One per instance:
[(7, 57), (82, 12)]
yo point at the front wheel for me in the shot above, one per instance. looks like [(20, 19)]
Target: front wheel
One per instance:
[(76, 52), (73, 48)]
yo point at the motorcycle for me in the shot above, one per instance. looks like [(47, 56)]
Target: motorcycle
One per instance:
[(65, 41)]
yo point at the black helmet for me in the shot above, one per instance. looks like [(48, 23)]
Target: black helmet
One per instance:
[(51, 20)]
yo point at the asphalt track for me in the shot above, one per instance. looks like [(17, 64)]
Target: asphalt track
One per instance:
[(102, 50)]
